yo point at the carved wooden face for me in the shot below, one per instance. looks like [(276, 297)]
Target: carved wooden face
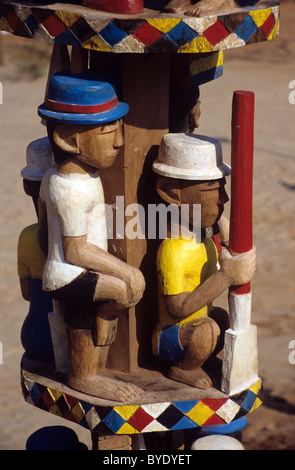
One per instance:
[(210, 194), (100, 145)]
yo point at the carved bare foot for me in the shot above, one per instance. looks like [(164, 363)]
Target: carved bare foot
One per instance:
[(105, 387), (207, 7), (197, 377), (177, 6)]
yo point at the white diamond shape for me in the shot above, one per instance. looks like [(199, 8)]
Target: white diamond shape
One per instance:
[(155, 409), (228, 411), (154, 426), (92, 418)]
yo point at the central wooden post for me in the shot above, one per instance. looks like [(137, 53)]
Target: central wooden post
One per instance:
[(144, 84)]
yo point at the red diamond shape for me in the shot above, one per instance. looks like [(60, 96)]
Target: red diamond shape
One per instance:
[(140, 419), (54, 25), (71, 401), (48, 400), (147, 34), (214, 419), (71, 417), (216, 33), (268, 25), (13, 21), (214, 403)]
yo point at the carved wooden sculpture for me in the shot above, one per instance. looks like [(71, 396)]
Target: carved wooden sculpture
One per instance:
[(35, 333), (189, 329), (169, 53), (85, 130)]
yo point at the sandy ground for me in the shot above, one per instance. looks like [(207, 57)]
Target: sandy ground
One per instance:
[(266, 69)]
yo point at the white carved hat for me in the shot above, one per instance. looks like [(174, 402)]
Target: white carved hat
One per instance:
[(190, 157), (39, 158)]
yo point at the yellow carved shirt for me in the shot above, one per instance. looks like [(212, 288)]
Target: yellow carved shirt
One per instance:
[(182, 265), (30, 258)]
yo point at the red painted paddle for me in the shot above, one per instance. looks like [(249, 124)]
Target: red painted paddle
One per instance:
[(240, 364), (241, 236)]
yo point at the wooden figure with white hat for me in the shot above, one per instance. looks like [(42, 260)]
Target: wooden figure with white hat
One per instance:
[(191, 272)]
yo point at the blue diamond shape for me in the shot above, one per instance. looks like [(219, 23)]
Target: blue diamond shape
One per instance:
[(31, 24), (67, 37), (181, 34), (246, 29), (114, 421), (185, 406), (35, 394), (86, 406), (112, 34), (184, 423), (249, 401), (84, 423)]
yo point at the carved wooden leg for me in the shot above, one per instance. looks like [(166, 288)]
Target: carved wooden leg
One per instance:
[(199, 341), (85, 359), (87, 362)]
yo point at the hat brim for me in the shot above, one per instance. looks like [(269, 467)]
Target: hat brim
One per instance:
[(85, 119), (191, 174), (32, 175)]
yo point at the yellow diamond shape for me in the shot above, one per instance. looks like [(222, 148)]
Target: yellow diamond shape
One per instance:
[(54, 393), (127, 429), (199, 44), (200, 413), (163, 25), (126, 411), (274, 32), (256, 404), (259, 16), (256, 387), (67, 17), (55, 410), (78, 412), (4, 25), (97, 43)]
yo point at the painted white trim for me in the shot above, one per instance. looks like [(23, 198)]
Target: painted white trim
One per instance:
[(240, 311), (240, 360)]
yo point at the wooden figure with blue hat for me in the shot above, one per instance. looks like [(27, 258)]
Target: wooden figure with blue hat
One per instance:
[(189, 333), (84, 123)]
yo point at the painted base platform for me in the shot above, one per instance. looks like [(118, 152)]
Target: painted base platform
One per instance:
[(151, 31), (165, 405)]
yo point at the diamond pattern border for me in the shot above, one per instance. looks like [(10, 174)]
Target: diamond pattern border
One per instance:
[(161, 34), (133, 419), (208, 36)]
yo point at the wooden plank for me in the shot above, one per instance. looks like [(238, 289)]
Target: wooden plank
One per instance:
[(79, 60)]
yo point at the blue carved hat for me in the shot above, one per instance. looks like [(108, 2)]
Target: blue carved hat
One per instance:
[(81, 99)]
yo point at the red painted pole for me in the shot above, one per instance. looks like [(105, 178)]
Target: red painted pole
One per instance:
[(241, 235)]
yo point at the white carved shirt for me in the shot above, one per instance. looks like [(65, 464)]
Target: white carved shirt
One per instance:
[(75, 207)]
